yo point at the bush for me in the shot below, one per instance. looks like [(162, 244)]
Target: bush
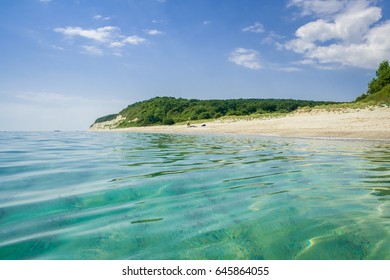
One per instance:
[(168, 121), (204, 115)]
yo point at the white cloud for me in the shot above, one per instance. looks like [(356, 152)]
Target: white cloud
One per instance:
[(245, 57), (103, 40), (44, 1), (287, 69), (134, 40), (92, 50), (271, 38), (206, 22), (350, 34), (154, 32), (117, 44), (256, 28), (318, 7), (55, 47), (100, 17), (102, 34)]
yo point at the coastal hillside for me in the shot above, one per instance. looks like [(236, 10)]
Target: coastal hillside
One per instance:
[(382, 96), (378, 91), (170, 110)]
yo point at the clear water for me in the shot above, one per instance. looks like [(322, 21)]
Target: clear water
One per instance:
[(160, 196)]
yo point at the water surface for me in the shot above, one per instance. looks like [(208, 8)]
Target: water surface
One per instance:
[(162, 196)]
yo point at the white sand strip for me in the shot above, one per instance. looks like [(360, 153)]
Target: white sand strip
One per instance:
[(368, 123)]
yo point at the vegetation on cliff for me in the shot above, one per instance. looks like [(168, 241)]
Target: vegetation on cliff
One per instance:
[(379, 87), (106, 118), (170, 110)]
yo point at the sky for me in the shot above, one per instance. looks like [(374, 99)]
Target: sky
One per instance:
[(65, 63)]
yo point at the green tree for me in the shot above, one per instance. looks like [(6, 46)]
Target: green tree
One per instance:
[(382, 78)]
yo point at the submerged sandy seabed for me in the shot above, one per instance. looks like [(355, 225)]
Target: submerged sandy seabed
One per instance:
[(368, 123)]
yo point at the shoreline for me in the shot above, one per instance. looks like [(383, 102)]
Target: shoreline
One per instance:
[(372, 123)]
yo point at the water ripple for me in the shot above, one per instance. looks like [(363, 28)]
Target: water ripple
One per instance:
[(160, 196)]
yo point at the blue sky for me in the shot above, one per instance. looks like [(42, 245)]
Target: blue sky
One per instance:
[(65, 63)]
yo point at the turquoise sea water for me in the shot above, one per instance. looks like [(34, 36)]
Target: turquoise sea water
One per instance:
[(160, 196)]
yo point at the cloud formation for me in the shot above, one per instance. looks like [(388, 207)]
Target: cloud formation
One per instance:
[(92, 50), (101, 39), (103, 34), (153, 32), (318, 7), (134, 40), (247, 58), (257, 27), (100, 17), (344, 33)]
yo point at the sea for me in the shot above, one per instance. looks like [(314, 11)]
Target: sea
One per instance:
[(140, 196)]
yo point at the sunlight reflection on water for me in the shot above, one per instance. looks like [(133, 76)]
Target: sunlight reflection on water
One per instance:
[(166, 196)]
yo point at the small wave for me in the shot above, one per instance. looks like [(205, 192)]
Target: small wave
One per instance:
[(152, 196)]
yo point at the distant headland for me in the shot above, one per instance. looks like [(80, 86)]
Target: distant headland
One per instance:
[(366, 117)]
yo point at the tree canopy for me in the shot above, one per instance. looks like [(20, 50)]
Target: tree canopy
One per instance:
[(170, 110), (381, 80)]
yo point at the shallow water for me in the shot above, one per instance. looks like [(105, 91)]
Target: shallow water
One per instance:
[(161, 196)]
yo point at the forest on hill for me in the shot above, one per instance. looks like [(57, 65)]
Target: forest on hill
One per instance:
[(170, 110), (379, 87)]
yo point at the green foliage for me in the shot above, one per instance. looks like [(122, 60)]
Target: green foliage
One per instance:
[(383, 74), (382, 96), (168, 121), (381, 80), (361, 97), (106, 118), (170, 110)]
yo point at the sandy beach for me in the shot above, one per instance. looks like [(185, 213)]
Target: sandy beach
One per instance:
[(367, 123)]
